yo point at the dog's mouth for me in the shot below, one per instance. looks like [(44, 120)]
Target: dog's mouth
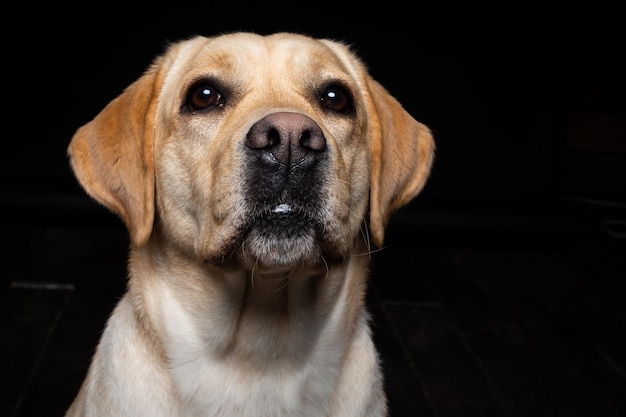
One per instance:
[(280, 235), (285, 220), (284, 235)]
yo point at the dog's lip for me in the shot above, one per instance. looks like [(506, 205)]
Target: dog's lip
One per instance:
[(282, 208), (285, 217), (282, 219)]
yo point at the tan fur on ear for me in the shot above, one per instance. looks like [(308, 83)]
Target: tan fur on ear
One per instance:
[(402, 153), (112, 156)]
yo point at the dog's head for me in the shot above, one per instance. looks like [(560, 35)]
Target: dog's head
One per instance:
[(273, 150)]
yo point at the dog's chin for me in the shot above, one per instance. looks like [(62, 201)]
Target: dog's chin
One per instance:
[(266, 251), (277, 242), (281, 241)]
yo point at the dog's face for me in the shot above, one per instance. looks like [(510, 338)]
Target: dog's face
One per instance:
[(268, 151), (263, 147)]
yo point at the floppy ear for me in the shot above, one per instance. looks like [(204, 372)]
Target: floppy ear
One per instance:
[(112, 155), (402, 153)]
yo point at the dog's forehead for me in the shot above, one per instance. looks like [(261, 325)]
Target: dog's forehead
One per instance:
[(247, 57)]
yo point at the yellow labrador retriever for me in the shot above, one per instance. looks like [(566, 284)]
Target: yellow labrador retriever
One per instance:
[(255, 174)]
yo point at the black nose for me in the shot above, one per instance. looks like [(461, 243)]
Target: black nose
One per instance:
[(288, 140)]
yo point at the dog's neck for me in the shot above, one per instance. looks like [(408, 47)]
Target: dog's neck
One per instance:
[(245, 316)]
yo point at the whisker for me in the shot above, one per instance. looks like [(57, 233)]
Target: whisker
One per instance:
[(286, 276), (366, 236), (326, 267), (282, 287), (369, 252), (256, 261)]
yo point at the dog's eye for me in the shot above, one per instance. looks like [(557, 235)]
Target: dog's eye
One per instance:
[(203, 96), (337, 99)]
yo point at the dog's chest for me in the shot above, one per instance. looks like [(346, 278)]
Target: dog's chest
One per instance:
[(255, 365), (221, 390)]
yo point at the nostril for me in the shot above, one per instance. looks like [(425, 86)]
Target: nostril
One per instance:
[(273, 137), (260, 137), (313, 141)]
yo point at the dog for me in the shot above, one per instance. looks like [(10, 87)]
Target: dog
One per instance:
[(255, 175)]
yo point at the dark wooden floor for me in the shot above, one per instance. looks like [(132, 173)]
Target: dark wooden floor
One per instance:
[(469, 323)]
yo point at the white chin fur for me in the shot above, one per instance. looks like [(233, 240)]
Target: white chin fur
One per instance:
[(258, 250)]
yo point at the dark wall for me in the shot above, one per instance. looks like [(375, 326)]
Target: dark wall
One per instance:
[(498, 87)]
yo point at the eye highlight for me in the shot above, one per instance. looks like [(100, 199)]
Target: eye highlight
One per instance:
[(336, 98), (203, 95)]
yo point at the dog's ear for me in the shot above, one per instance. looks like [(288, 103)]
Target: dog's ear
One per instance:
[(402, 152), (112, 155)]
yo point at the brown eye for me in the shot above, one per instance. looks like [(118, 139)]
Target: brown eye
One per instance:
[(337, 99), (203, 95)]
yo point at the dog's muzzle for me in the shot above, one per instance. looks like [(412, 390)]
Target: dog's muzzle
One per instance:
[(287, 157)]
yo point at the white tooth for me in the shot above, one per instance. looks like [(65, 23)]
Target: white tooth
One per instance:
[(282, 208)]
